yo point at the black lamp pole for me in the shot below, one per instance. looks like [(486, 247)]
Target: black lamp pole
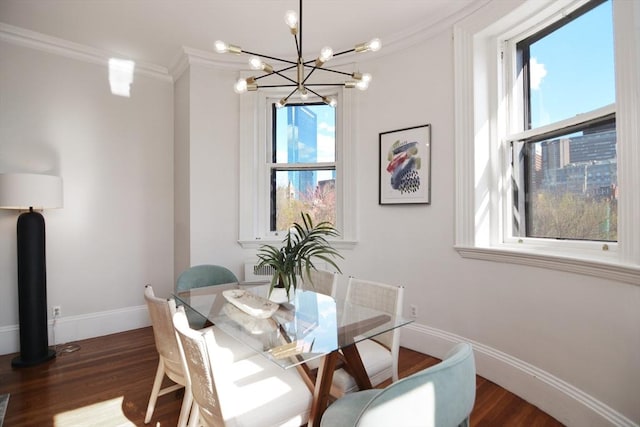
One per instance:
[(32, 291)]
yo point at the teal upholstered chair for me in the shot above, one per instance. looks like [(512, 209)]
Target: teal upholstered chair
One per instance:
[(440, 396), (204, 275)]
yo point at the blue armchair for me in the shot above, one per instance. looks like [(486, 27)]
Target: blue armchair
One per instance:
[(204, 275), (439, 396)]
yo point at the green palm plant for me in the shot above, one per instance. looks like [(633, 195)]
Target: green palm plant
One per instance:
[(303, 243)]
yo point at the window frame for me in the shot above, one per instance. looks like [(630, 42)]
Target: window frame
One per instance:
[(255, 140), (483, 199), (273, 166)]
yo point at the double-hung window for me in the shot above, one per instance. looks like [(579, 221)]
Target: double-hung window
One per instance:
[(546, 136), (302, 164), (560, 81), (293, 159)]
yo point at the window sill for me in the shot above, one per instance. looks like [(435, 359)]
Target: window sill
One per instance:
[(607, 268)]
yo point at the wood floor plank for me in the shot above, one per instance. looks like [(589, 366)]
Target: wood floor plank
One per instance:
[(107, 382)]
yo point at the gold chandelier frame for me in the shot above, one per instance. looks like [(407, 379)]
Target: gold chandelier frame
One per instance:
[(304, 69)]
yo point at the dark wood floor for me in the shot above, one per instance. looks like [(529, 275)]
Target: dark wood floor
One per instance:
[(108, 380)]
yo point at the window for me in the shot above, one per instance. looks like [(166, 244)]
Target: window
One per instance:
[(564, 172), (295, 158), (302, 164), (546, 131)]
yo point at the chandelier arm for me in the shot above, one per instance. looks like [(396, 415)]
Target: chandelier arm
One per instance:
[(276, 86), (298, 46), (291, 67), (330, 70), (323, 84), (313, 92), (291, 93), (285, 77), (269, 57), (300, 31), (343, 52), (308, 75), (278, 73)]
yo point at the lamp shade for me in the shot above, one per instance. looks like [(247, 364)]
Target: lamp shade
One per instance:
[(29, 190)]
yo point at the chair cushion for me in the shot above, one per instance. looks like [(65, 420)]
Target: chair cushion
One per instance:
[(255, 391), (232, 350), (345, 411), (377, 361)]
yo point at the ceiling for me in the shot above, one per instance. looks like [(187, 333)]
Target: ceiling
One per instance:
[(155, 31)]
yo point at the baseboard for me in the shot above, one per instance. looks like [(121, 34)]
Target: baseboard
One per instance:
[(566, 403), (74, 328)]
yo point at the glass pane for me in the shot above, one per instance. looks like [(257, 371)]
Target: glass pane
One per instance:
[(572, 69), (310, 191), (305, 134), (571, 184)]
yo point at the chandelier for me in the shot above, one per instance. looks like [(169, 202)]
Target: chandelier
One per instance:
[(303, 69)]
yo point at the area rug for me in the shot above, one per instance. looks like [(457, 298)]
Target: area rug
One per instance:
[(4, 401)]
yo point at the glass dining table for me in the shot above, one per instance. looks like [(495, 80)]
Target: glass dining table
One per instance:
[(311, 326)]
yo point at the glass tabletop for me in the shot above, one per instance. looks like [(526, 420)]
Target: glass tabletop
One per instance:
[(308, 327)]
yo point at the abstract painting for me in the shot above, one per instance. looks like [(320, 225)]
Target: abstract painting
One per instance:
[(405, 166)]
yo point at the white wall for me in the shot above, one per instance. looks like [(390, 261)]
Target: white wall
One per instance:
[(115, 154), (207, 155)]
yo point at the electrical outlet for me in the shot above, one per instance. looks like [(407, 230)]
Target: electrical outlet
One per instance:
[(414, 311), (57, 311)]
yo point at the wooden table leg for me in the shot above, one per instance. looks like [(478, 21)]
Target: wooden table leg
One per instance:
[(321, 393), (356, 367)]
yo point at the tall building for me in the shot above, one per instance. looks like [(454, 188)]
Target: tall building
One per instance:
[(302, 146), (583, 164)]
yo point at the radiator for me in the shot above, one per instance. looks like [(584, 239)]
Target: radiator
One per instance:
[(254, 274)]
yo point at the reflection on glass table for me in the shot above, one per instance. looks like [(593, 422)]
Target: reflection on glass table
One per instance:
[(310, 326)]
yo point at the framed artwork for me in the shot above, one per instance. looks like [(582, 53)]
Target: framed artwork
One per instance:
[(405, 166)]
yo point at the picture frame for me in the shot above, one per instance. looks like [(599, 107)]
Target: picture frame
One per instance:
[(405, 166)]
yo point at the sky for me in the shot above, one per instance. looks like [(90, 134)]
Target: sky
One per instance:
[(326, 116), (572, 68)]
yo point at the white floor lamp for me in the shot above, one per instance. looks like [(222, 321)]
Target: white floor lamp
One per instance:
[(25, 191)]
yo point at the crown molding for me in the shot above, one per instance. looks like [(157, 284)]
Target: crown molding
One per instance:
[(34, 40), (420, 33), (190, 56)]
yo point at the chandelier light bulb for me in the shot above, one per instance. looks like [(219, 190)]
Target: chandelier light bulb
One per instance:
[(326, 53), (291, 18), (255, 63), (304, 95), (374, 45), (362, 85), (281, 103), (240, 86), (366, 77), (221, 47), (329, 100)]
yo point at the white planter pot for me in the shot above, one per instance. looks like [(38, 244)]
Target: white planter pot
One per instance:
[(279, 295)]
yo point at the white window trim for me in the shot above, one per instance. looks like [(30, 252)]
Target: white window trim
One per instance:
[(480, 180), (253, 168)]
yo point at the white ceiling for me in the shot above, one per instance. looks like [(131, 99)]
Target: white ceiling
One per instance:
[(154, 31)]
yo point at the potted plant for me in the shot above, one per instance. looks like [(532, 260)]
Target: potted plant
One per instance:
[(303, 243)]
